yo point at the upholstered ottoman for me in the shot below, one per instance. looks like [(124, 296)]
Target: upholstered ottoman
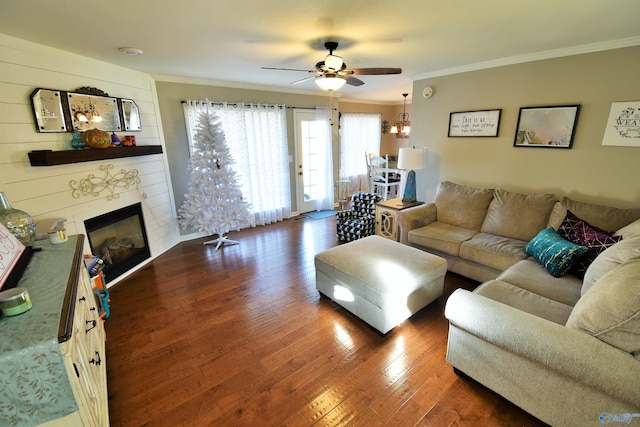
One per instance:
[(381, 281)]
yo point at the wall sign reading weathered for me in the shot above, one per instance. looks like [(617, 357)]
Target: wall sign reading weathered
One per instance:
[(623, 126), (482, 123)]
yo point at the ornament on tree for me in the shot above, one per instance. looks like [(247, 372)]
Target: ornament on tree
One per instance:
[(214, 202)]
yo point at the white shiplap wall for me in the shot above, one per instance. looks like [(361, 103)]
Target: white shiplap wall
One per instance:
[(45, 192)]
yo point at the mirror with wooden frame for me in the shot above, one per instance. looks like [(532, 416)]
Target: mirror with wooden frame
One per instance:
[(91, 108), (48, 110), (85, 108), (130, 115)]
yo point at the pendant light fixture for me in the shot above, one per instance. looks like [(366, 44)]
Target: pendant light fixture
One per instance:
[(402, 128)]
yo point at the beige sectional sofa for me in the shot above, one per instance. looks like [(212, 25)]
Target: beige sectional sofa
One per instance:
[(565, 349), (479, 231)]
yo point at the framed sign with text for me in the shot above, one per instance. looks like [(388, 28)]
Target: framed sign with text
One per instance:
[(623, 126), (10, 252), (482, 123)]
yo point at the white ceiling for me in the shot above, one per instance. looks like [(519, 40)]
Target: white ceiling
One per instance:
[(230, 40)]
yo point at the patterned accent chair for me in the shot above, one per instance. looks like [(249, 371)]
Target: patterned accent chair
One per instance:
[(360, 220)]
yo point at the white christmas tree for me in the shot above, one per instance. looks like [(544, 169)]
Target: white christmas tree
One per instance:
[(214, 201)]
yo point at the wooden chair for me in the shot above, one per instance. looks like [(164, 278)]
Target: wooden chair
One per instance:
[(381, 180)]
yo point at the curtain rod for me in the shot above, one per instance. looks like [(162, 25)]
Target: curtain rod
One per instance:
[(233, 104), (308, 108)]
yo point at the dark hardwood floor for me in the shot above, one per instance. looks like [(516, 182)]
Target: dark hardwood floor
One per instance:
[(240, 337)]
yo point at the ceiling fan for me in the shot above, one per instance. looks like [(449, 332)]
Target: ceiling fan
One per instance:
[(332, 73)]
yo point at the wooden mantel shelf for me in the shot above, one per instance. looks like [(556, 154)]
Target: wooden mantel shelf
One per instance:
[(52, 158)]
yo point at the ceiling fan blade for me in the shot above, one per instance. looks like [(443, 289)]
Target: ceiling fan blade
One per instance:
[(353, 81), (287, 69), (376, 71), (303, 80)]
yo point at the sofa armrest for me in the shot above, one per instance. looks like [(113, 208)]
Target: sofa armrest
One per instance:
[(416, 217), (573, 353)]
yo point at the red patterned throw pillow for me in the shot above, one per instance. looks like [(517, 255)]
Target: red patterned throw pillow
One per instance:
[(582, 233)]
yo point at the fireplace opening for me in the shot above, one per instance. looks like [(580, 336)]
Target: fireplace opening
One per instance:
[(119, 239)]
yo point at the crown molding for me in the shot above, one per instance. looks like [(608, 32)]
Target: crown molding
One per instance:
[(236, 85), (538, 56)]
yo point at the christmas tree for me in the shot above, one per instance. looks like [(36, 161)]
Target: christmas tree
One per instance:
[(214, 201)]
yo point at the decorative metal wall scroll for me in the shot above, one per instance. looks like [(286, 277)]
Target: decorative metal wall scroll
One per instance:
[(94, 186)]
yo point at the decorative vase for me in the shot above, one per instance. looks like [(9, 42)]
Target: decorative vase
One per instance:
[(77, 143), (96, 138), (115, 141), (18, 222)]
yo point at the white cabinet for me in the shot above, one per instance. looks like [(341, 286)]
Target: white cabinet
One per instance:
[(387, 222), (387, 217), (84, 357), (54, 354)]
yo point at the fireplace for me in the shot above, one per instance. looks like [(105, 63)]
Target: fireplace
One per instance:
[(119, 239)]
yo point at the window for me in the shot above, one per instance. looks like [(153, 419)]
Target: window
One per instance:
[(359, 134), (256, 135)]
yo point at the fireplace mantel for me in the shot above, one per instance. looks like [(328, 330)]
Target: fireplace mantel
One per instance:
[(52, 158)]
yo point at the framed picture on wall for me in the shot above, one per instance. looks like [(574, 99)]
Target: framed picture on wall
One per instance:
[(547, 127), (623, 126), (474, 123)]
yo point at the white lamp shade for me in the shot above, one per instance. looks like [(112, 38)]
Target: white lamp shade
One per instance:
[(411, 158), (333, 62), (330, 83)]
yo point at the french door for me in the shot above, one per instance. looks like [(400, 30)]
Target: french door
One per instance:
[(309, 175)]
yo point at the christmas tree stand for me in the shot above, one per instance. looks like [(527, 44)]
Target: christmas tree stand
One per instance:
[(220, 240)]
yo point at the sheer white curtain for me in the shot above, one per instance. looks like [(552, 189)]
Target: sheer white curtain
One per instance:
[(256, 135), (359, 134), (325, 159)]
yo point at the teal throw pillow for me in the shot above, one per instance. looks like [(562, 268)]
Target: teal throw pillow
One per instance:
[(553, 252)]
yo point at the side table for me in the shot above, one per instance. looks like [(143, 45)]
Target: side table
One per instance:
[(387, 217), (342, 185)]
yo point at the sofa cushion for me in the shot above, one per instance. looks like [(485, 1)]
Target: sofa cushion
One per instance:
[(556, 254), (610, 310), (630, 230), (530, 275), (582, 233), (461, 205), (609, 259), (524, 300), (604, 217), (495, 251), (440, 236), (516, 215)]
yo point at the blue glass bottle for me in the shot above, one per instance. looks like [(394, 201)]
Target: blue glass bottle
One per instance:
[(77, 142)]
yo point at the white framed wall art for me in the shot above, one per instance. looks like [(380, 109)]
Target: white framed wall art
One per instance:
[(623, 125)]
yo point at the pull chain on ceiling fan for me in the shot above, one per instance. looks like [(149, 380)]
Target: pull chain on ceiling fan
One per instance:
[(332, 73)]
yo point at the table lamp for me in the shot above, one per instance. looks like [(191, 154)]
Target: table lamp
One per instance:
[(410, 159)]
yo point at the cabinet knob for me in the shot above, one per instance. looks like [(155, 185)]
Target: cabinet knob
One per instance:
[(97, 361), (93, 324)]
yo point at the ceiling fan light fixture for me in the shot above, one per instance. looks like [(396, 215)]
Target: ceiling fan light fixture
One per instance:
[(333, 62), (330, 83)]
